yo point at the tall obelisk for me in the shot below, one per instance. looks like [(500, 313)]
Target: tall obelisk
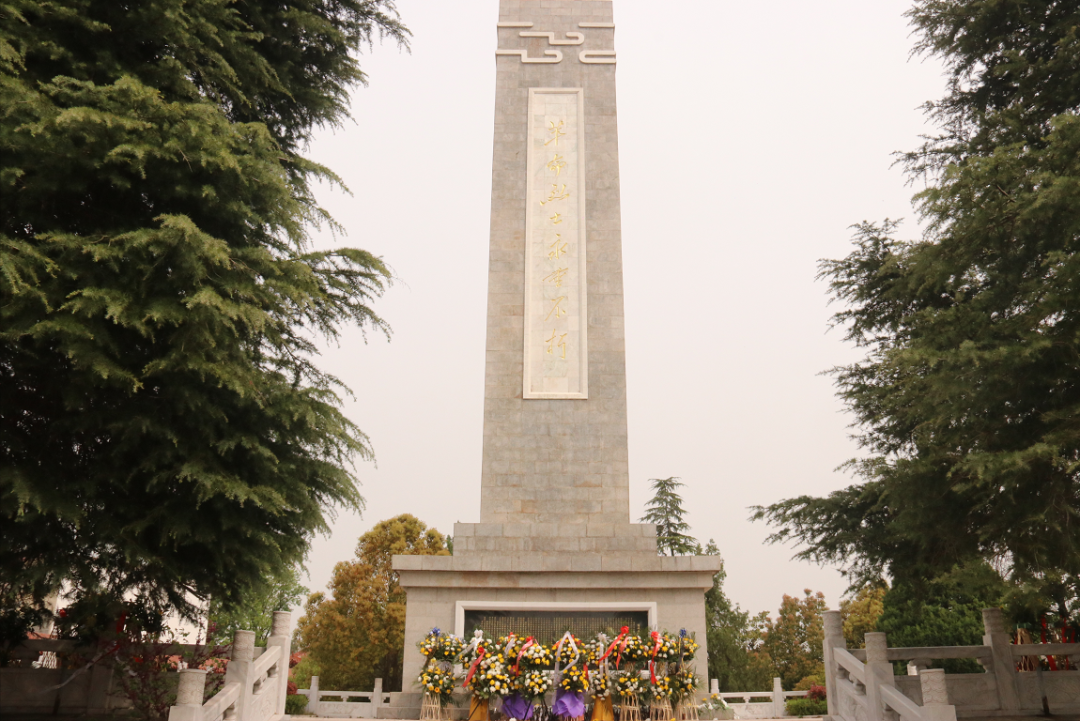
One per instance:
[(555, 548), (555, 384)]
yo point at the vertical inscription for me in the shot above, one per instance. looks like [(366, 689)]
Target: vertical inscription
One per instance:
[(556, 310)]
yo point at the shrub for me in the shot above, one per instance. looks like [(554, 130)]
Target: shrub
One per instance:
[(816, 679), (807, 707), (816, 692), (301, 673), (295, 704)]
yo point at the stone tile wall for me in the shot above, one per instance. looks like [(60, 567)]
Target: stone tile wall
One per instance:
[(555, 461)]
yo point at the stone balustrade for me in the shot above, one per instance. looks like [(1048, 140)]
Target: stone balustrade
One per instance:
[(255, 686), (861, 684)]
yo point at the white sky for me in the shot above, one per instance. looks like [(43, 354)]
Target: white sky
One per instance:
[(751, 136)]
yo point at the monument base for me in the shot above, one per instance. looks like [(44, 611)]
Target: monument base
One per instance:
[(665, 593)]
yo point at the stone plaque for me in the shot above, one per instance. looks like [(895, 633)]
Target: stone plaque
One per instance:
[(556, 308)]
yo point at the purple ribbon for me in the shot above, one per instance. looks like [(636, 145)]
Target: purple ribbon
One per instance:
[(569, 704), (516, 707)]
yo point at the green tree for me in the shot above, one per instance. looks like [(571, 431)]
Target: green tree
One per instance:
[(666, 511), (357, 635), (968, 396), (255, 609), (946, 611), (165, 431), (730, 638), (861, 613), (792, 643)]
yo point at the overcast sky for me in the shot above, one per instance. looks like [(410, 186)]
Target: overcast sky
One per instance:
[(751, 136)]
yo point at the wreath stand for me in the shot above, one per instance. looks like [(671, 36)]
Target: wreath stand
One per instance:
[(630, 709), (430, 710), (686, 710), (660, 710)]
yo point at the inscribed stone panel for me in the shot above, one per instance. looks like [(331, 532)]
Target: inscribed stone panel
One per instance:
[(556, 302)]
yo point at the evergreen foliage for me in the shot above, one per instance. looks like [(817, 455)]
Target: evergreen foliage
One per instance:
[(165, 432), (665, 510), (969, 395), (944, 612), (730, 638)]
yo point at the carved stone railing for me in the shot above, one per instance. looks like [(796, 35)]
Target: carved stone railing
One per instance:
[(254, 688), (866, 690), (747, 708), (352, 704), (860, 682)]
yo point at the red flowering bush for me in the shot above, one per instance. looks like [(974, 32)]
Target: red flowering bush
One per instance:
[(816, 692)]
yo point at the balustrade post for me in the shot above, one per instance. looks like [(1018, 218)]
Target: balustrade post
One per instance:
[(189, 696), (280, 638), (935, 695), (1003, 665), (777, 698), (376, 698), (714, 686), (878, 673), (241, 659), (313, 696), (834, 638)]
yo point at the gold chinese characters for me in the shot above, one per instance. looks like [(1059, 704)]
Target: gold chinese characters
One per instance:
[(559, 302)]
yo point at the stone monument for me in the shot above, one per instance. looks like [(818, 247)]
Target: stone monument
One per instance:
[(555, 548)]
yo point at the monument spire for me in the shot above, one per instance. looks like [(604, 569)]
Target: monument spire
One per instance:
[(555, 547), (555, 446)]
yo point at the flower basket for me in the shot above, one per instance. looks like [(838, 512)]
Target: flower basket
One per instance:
[(532, 685), (633, 651), (684, 685), (663, 647), (441, 647), (534, 657), (688, 647)]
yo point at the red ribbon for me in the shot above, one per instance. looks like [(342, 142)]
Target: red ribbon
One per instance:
[(621, 637), (517, 662), (472, 669), (652, 660)]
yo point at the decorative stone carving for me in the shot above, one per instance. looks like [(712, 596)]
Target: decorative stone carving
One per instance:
[(191, 687), (572, 38), (934, 690), (597, 57), (280, 625), (243, 646), (552, 56)]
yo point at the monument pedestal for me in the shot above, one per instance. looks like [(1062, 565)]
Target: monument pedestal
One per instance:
[(581, 573)]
